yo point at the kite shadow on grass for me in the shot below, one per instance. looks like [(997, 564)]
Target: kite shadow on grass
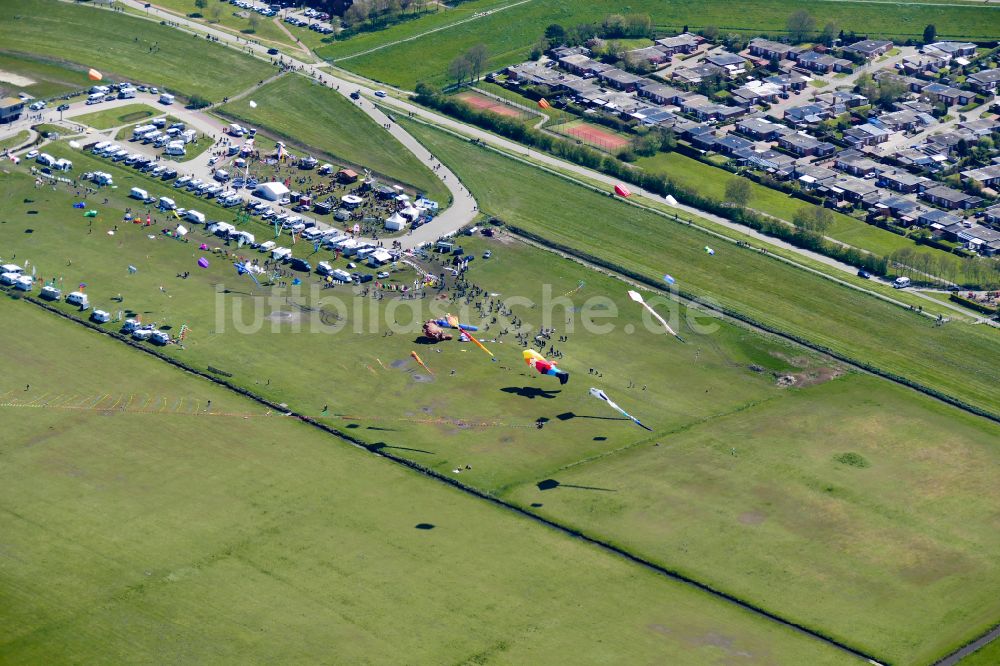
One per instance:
[(551, 484), (378, 446), (530, 392), (566, 416)]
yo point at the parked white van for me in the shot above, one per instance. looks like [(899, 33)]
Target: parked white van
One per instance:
[(79, 299), (24, 283), (138, 193), (166, 203), (100, 317), (195, 216)]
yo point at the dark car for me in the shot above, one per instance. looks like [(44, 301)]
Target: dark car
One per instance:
[(300, 264), (864, 274), (272, 51), (62, 107), (356, 94), (169, 174)]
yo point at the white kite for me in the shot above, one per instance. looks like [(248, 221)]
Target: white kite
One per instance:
[(253, 104), (637, 297), (670, 200), (601, 395)]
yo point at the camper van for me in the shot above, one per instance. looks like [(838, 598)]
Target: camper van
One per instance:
[(24, 283), (153, 136), (142, 334), (175, 148), (166, 98), (62, 164), (142, 130), (9, 278), (281, 253), (11, 268), (266, 246), (126, 92), (99, 147), (138, 193), (45, 159), (901, 282), (79, 299), (160, 338), (166, 203), (95, 98), (195, 216), (50, 293), (100, 317), (182, 181)]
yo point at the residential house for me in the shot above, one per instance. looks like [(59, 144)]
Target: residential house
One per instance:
[(949, 50), (792, 81), (731, 144), (582, 65), (937, 219), (950, 198), (855, 190), (650, 56), (697, 73), (985, 81), (823, 63), (980, 127), (772, 161), (563, 51), (947, 95), (905, 120), (977, 238), (702, 137), (813, 177), (806, 114), (922, 64), (866, 134), (840, 101), (901, 208), (730, 62), (755, 92), (765, 48), (988, 176), (992, 215), (803, 144), (903, 181), (534, 73), (869, 48), (857, 164), (761, 129), (620, 79), (683, 43), (661, 93)]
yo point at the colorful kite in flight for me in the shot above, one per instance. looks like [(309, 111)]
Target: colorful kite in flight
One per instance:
[(637, 297), (453, 322), (622, 191), (544, 366), (416, 358), (601, 395)]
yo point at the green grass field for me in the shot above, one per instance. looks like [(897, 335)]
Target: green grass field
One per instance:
[(701, 398), (15, 140), (986, 656), (316, 117), (142, 525), (711, 182), (47, 79), (118, 45), (266, 31), (122, 115), (776, 294), (510, 34)]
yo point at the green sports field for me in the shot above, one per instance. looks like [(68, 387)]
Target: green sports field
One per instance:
[(122, 115), (702, 399), (310, 115), (510, 33), (159, 528), (119, 45)]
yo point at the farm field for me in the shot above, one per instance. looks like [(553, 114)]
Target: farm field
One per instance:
[(38, 78), (711, 182), (325, 120), (155, 524), (119, 46), (431, 420), (773, 293), (510, 34), (122, 115)]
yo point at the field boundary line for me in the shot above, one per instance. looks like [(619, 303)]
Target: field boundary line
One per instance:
[(380, 450), (474, 17)]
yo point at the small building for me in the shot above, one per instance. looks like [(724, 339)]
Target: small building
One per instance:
[(761, 129), (949, 50), (661, 93), (857, 164), (620, 79), (985, 81), (806, 114), (869, 48), (823, 63), (947, 95), (683, 43), (988, 176), (651, 56), (347, 176), (855, 190), (803, 145), (730, 62), (903, 181), (866, 134), (765, 48), (792, 81), (697, 73), (10, 109), (950, 198)]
